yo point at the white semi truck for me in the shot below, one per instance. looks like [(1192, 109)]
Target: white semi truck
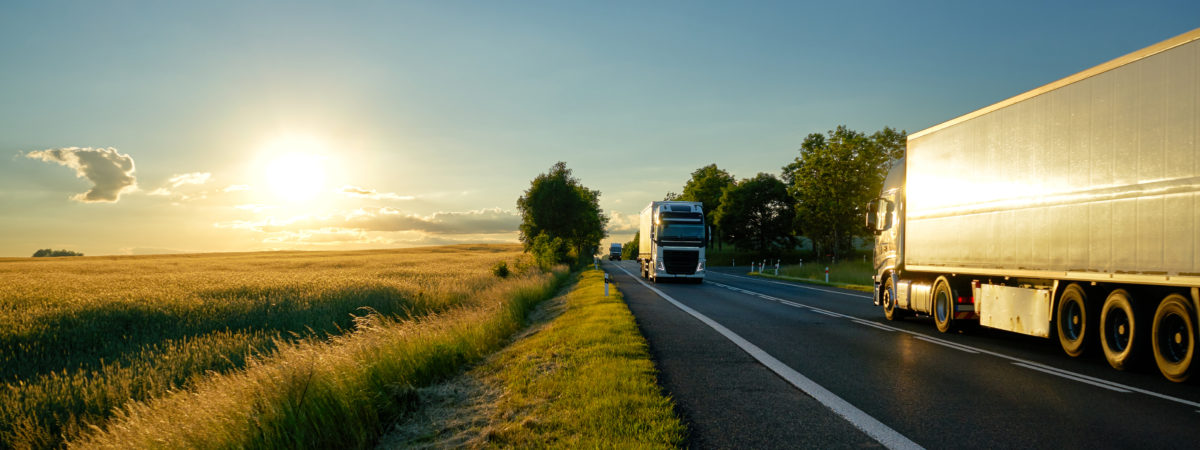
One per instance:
[(672, 240), (1070, 211)]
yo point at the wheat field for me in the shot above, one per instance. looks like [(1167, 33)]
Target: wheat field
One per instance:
[(93, 348)]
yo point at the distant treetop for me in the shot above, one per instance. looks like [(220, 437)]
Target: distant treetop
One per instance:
[(48, 252)]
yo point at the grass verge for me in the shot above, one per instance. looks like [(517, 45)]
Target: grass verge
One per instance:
[(584, 379), (334, 393), (846, 275)]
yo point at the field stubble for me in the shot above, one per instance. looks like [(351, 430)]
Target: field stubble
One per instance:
[(85, 339)]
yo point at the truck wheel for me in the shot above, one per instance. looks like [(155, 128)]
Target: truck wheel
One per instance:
[(1071, 320), (1172, 338), (1120, 330), (943, 306), (889, 301)]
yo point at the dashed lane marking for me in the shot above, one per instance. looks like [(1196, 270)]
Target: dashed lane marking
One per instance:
[(1110, 385)]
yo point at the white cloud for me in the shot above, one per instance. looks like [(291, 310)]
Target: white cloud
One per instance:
[(189, 178), (622, 223), (236, 187), (361, 192), (110, 172)]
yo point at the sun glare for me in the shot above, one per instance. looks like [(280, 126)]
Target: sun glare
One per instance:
[(296, 177), (296, 168)]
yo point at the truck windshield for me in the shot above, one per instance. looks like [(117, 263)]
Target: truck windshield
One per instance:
[(681, 231)]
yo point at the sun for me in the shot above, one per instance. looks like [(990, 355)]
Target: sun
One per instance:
[(295, 171), (296, 177)]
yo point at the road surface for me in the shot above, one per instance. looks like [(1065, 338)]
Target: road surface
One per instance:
[(762, 363)]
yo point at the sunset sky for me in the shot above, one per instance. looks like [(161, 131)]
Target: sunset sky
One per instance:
[(151, 127)]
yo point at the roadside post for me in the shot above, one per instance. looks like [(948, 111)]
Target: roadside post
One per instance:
[(606, 284), (826, 274), (777, 267)]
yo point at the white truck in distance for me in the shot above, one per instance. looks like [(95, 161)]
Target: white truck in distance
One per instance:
[(672, 240), (1070, 211)]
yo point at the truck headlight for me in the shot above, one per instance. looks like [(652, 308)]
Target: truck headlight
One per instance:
[(700, 267), (660, 266)]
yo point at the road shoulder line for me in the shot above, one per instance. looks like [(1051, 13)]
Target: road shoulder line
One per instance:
[(869, 425)]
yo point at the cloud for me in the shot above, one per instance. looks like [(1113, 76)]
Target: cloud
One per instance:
[(483, 221), (236, 187), (189, 178), (325, 236), (622, 223), (361, 192), (110, 172)]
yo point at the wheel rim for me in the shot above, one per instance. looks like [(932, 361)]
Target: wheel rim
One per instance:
[(888, 304), (942, 307), (1118, 330), (1073, 325), (1173, 338)]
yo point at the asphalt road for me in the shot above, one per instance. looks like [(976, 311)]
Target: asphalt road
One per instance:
[(761, 363)]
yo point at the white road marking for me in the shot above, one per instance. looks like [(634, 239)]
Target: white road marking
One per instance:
[(871, 324), (875, 429), (1070, 376), (801, 286), (966, 348), (946, 344)]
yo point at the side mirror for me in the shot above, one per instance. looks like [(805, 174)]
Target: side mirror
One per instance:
[(873, 215), (879, 215)]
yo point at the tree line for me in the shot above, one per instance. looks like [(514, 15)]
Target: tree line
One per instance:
[(45, 252), (820, 195)]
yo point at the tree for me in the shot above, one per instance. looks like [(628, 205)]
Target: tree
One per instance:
[(631, 249), (45, 252), (558, 206), (706, 186), (833, 179), (757, 213)]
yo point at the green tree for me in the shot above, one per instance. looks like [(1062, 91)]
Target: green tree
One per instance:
[(558, 206), (833, 179), (706, 186), (630, 250), (757, 213)]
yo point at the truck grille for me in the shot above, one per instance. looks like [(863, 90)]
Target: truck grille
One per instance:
[(677, 262)]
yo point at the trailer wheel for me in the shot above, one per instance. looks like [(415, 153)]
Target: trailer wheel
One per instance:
[(1071, 320), (1172, 338), (1120, 330), (889, 301), (943, 305)]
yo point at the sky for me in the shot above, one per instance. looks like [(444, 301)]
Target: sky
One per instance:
[(161, 127)]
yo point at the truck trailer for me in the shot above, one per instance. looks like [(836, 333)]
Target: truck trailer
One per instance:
[(672, 240), (1071, 211)]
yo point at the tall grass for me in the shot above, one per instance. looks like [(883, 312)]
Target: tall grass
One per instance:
[(335, 394), (80, 338)]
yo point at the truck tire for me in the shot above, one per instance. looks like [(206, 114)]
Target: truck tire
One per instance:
[(943, 305), (1121, 330), (888, 292), (1173, 338), (1072, 321)]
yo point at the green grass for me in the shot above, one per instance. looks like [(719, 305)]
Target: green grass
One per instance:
[(85, 339), (579, 379), (584, 381), (847, 274)]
